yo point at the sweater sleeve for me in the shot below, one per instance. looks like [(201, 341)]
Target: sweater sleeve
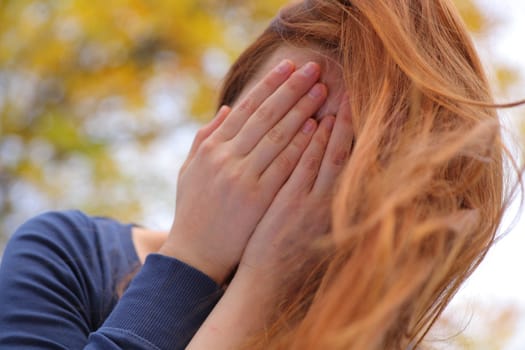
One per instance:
[(162, 309), (58, 281)]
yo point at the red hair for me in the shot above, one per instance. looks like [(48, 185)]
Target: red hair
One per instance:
[(418, 205)]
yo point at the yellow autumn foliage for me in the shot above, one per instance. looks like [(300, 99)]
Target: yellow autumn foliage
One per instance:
[(87, 84)]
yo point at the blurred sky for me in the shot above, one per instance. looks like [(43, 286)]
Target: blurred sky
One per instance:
[(500, 271), (501, 279)]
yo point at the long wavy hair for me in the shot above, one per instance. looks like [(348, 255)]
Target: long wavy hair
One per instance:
[(418, 205)]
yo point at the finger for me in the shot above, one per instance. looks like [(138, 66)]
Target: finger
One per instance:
[(205, 131), (338, 150), (209, 128), (276, 106), (282, 166), (272, 144), (249, 104), (306, 171)]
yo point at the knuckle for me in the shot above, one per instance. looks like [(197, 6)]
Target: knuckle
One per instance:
[(303, 108), (265, 112), (346, 118), (284, 163), (340, 157), (201, 133), (276, 135), (214, 158), (270, 83), (321, 142), (326, 134), (307, 180), (299, 141), (234, 177), (312, 165), (295, 86), (207, 147), (247, 105), (219, 162)]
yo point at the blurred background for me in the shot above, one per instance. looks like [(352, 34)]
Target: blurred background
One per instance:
[(99, 102)]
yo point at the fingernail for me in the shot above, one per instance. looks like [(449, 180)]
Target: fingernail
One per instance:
[(285, 67), (310, 69), (309, 126), (317, 91), (220, 113), (222, 110)]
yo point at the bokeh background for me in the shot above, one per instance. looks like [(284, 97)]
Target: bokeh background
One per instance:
[(99, 102)]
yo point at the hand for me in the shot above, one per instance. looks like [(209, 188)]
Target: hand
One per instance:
[(300, 212), (238, 164)]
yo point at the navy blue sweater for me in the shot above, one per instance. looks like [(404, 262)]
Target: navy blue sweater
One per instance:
[(58, 289)]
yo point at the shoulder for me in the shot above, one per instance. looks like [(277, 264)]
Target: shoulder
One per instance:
[(74, 240), (92, 246), (72, 249), (52, 235), (56, 227), (71, 232), (67, 262)]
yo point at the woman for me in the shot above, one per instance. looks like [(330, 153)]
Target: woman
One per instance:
[(416, 207), (61, 271), (307, 262)]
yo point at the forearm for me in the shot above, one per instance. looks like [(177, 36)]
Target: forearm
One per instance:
[(165, 304), (242, 312)]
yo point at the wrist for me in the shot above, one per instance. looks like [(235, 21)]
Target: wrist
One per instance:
[(267, 279), (190, 256), (258, 292)]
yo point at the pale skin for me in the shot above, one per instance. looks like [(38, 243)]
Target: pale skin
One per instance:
[(251, 169)]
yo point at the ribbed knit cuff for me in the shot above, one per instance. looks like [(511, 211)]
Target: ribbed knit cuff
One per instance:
[(166, 303)]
